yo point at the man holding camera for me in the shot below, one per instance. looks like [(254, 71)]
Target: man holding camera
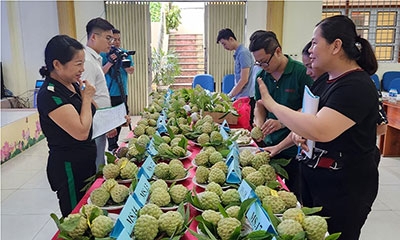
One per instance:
[(117, 64)]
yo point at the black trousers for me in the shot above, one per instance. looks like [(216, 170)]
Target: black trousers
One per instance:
[(252, 106), (113, 142)]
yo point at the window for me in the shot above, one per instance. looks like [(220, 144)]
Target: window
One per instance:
[(376, 20)]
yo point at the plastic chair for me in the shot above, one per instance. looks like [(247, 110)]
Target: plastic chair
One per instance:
[(387, 78), (395, 83), (375, 79), (228, 81), (206, 81)]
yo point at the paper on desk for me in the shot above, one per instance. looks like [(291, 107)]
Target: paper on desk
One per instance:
[(106, 119), (310, 106)]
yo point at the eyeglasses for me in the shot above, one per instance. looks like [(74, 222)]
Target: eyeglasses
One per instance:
[(265, 63), (109, 38)]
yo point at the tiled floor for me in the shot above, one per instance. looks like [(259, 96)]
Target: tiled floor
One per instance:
[(27, 201)]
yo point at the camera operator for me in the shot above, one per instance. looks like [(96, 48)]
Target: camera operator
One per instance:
[(117, 64)]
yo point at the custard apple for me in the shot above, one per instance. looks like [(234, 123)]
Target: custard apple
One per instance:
[(260, 159), (289, 227), (146, 227), (216, 137), (226, 226), (289, 198), (262, 191), (276, 203), (256, 178), (160, 197), (211, 216), (129, 171), (217, 175), (209, 200), (99, 197), (159, 183), (233, 211), (247, 170), (109, 184), (202, 174), (214, 187), (230, 196), (119, 193), (177, 171), (81, 226), (110, 170), (256, 133), (161, 170), (178, 193), (171, 222), (315, 227), (245, 157), (221, 165), (101, 226), (268, 171), (201, 159), (215, 157), (294, 214), (151, 209)]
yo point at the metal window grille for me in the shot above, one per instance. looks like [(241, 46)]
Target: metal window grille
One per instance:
[(376, 20)]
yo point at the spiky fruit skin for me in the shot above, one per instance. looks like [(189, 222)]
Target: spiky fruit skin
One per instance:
[(129, 171), (166, 139), (217, 175), (139, 130), (170, 222), (122, 151), (202, 174), (256, 178), (80, 228), (211, 216), (256, 133), (216, 137), (175, 161), (230, 196), (178, 193), (160, 197), (159, 184), (215, 157), (87, 210), (177, 172), (146, 227), (207, 128), (150, 131), (260, 159), (179, 151), (245, 157), (110, 171), (262, 191), (109, 184), (101, 226), (226, 226), (247, 170), (221, 165), (295, 214), (164, 148), (175, 142), (201, 159), (214, 187), (151, 209), (208, 118), (289, 198), (289, 227), (315, 227), (162, 170), (268, 171), (233, 211), (276, 203), (99, 197), (119, 193), (209, 200), (143, 140)]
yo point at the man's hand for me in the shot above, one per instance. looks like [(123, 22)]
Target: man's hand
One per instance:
[(128, 121), (130, 69), (112, 133), (112, 58)]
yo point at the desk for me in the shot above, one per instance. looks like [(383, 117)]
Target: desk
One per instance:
[(390, 142)]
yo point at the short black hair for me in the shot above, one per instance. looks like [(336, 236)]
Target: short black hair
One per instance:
[(305, 52), (262, 39), (225, 33), (116, 31), (98, 24)]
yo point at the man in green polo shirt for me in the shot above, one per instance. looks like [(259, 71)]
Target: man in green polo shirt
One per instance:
[(285, 79)]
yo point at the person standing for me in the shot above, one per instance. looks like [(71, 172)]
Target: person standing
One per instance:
[(244, 78), (286, 80), (117, 81), (342, 176), (99, 39), (72, 153)]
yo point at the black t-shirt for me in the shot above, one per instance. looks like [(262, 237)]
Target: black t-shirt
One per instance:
[(354, 96), (51, 96)]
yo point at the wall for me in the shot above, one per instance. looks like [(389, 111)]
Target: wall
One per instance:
[(84, 11), (256, 18)]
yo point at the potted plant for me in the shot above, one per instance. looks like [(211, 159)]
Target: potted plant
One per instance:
[(165, 67), (172, 17)]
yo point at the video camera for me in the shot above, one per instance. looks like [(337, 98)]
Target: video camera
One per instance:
[(121, 56)]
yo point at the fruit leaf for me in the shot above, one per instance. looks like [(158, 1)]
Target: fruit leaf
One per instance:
[(310, 211), (333, 236), (244, 207), (280, 170), (259, 235)]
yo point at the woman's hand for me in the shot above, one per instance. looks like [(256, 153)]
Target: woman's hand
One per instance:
[(266, 98), (299, 141), (273, 150), (87, 89)]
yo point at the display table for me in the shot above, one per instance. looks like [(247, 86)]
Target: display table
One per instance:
[(390, 142)]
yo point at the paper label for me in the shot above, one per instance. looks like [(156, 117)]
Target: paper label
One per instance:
[(126, 219), (259, 219), (142, 191), (234, 173), (245, 191), (147, 168)]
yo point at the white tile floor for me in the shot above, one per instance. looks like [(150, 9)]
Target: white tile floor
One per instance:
[(27, 201)]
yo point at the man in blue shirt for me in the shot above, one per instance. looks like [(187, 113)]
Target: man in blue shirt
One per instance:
[(117, 81), (244, 77)]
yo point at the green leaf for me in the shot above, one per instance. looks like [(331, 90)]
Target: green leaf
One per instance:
[(310, 211), (280, 161), (244, 207), (333, 236), (280, 170)]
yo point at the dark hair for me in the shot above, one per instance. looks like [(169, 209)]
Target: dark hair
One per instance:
[(225, 33), (262, 39), (305, 52), (61, 48), (356, 48), (116, 31), (98, 24)]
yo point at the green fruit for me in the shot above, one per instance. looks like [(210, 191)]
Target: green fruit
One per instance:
[(256, 178), (109, 184), (179, 151), (256, 133), (289, 227), (230, 196), (139, 130), (211, 216), (164, 149), (119, 193), (233, 211), (315, 227), (207, 128), (217, 175), (150, 131), (175, 161), (159, 183), (202, 174), (214, 187), (171, 222), (166, 139), (226, 226), (268, 171), (295, 214), (101, 226), (209, 200), (162, 171), (276, 203), (129, 170), (177, 172), (99, 197), (146, 227), (151, 209), (260, 159), (216, 137), (178, 193), (215, 157), (289, 198), (160, 197), (220, 165), (247, 170), (81, 226), (245, 157), (122, 151), (110, 170), (143, 140), (201, 159), (87, 210), (262, 191)]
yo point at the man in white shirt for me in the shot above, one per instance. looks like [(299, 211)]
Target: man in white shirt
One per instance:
[(99, 39)]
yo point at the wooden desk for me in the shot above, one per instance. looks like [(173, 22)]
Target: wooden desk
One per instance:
[(390, 142)]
